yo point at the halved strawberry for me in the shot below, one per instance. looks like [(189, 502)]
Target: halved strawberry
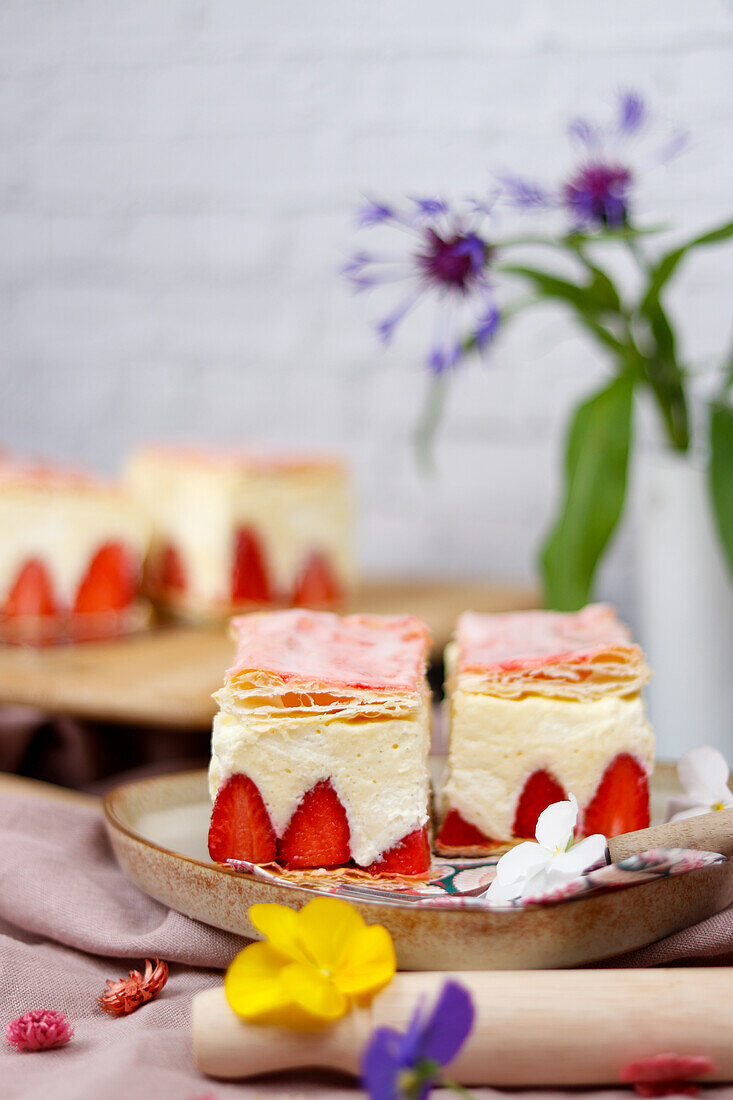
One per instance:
[(249, 573), (172, 573), (32, 591), (318, 832), (539, 792), (409, 856), (240, 824), (317, 585), (109, 583), (456, 832), (621, 802)]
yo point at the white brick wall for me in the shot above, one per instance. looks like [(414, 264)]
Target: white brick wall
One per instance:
[(176, 189)]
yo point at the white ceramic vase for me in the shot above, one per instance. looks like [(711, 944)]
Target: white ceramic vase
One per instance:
[(686, 609)]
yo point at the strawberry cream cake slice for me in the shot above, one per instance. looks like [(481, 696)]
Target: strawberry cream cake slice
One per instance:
[(320, 747), (236, 530), (71, 555), (542, 704)]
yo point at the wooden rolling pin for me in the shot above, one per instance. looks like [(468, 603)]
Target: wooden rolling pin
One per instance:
[(544, 1027), (711, 832)]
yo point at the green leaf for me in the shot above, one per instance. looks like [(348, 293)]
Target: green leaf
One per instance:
[(589, 300), (665, 268), (666, 378), (595, 487), (611, 233), (720, 475), (583, 296), (603, 288), (600, 286)]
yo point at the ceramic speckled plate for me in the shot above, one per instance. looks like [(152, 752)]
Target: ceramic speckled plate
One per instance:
[(158, 829)]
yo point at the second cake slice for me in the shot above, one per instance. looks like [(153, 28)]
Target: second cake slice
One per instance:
[(320, 748), (541, 705)]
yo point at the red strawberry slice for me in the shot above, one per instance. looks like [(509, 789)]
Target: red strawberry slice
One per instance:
[(621, 802), (455, 832), (409, 856), (249, 574), (317, 585), (172, 573), (240, 824), (109, 583), (318, 832), (32, 591), (539, 792)]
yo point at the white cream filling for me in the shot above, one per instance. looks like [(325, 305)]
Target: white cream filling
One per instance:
[(378, 768), (64, 528), (198, 507), (496, 744)]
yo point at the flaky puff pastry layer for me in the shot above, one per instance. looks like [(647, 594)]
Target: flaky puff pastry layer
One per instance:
[(315, 662), (582, 655)]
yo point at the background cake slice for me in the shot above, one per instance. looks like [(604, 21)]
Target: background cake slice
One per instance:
[(541, 704), (71, 554), (237, 530), (320, 747)]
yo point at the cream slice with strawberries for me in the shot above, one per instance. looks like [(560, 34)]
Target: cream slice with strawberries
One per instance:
[(542, 704), (320, 747), (240, 529), (71, 554)]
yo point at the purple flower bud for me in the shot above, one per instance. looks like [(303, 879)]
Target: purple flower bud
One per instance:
[(454, 261), (445, 257), (598, 195)]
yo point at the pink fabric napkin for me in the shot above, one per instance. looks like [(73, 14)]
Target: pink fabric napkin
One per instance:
[(69, 919)]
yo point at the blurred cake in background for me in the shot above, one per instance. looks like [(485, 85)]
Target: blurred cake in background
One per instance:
[(233, 530), (72, 548)]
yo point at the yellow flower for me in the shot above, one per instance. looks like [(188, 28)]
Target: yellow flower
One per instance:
[(314, 965)]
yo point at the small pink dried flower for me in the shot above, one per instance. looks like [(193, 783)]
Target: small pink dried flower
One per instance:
[(127, 994), (42, 1029), (667, 1074)]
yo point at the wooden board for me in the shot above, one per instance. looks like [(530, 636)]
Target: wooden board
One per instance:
[(165, 677)]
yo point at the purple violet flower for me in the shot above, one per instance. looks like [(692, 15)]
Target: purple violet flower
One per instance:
[(598, 195), (447, 256), (396, 1065), (598, 192)]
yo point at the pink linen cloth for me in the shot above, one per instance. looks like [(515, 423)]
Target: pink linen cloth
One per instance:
[(69, 919)]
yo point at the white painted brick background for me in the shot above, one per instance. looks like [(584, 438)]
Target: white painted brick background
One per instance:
[(177, 182)]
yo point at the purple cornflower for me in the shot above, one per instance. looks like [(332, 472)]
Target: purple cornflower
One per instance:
[(407, 1065), (447, 256), (598, 191)]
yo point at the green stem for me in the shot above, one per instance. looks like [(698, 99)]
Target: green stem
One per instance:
[(428, 423), (660, 369), (727, 374)]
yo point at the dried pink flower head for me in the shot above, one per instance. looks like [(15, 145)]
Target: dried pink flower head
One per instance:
[(42, 1029), (667, 1074), (127, 994)]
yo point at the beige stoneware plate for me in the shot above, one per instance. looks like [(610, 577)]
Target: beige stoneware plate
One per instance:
[(158, 829)]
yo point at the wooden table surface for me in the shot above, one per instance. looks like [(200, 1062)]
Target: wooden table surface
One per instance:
[(165, 677)]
